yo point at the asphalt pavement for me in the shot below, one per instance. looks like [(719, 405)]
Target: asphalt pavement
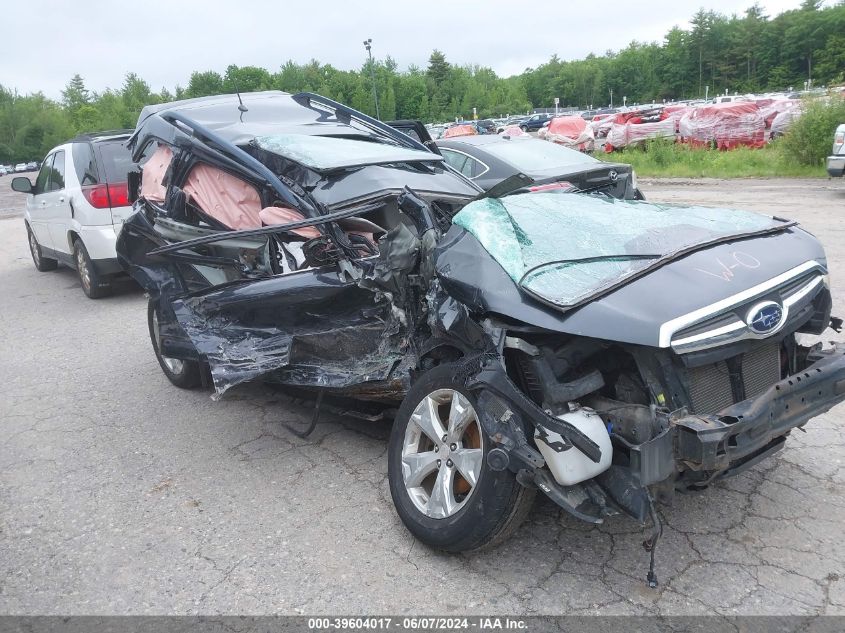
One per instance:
[(120, 494)]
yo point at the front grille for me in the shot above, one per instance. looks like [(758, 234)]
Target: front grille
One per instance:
[(760, 369), (712, 390)]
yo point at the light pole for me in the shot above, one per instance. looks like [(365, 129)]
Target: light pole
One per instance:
[(368, 43)]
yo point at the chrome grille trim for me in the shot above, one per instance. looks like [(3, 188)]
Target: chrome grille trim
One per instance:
[(802, 292), (668, 329)]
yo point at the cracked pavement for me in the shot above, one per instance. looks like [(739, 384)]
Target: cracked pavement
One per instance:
[(120, 494)]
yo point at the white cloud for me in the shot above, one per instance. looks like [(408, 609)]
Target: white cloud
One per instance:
[(164, 40)]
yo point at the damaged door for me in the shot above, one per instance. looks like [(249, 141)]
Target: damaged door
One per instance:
[(309, 328)]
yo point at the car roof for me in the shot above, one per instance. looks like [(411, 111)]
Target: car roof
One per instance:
[(483, 139), (266, 113), (96, 137)]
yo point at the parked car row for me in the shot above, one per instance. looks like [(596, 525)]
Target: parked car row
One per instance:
[(19, 168), (527, 326)]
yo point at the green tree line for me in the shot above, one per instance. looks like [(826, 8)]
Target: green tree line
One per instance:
[(739, 53)]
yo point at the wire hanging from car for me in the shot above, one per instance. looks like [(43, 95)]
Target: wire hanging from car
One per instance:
[(650, 544), (314, 419)]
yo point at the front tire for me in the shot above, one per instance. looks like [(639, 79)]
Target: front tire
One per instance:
[(184, 374), (94, 285), (42, 264), (443, 489)]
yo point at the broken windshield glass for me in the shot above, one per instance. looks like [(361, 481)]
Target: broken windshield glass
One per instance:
[(565, 248), (325, 152)]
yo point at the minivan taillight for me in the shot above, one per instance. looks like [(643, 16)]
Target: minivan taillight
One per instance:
[(839, 138), (104, 196), (119, 194)]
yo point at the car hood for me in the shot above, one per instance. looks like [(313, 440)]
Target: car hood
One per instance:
[(593, 282)]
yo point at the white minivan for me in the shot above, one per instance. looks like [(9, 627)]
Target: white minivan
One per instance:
[(77, 205)]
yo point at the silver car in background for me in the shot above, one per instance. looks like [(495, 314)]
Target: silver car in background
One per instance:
[(836, 161)]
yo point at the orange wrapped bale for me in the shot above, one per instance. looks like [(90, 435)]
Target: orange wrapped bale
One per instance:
[(725, 125), (460, 130)]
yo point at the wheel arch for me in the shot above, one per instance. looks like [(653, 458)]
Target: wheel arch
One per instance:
[(438, 351), (72, 236)]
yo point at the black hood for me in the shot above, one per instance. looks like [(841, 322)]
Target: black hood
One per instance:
[(636, 312)]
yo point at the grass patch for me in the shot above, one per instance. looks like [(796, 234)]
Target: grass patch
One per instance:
[(675, 160)]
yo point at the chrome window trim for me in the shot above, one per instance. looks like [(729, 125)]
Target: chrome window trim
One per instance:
[(668, 328), (470, 156)]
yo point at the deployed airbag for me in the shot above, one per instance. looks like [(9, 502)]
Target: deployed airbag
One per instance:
[(224, 197)]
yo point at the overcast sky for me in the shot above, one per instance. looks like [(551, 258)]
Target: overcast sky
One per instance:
[(43, 43)]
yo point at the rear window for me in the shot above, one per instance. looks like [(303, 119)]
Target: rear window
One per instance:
[(117, 160), (84, 164), (531, 155)]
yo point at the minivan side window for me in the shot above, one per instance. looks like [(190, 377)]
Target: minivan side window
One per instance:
[(84, 163), (44, 175), (57, 175)]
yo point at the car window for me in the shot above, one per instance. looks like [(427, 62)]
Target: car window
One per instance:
[(117, 160), (43, 175), (84, 164), (464, 163), (57, 174), (476, 167), (455, 159)]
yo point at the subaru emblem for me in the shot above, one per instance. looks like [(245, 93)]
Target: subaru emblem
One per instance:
[(765, 318)]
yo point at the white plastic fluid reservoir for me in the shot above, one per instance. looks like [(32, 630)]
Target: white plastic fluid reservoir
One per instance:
[(572, 466)]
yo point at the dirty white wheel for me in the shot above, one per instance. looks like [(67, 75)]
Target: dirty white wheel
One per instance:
[(94, 286), (42, 264), (442, 454), (444, 491)]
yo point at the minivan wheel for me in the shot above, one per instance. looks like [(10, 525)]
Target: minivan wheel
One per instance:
[(184, 374), (93, 285), (42, 264), (443, 489)]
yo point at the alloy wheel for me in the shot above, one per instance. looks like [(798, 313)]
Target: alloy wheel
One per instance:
[(173, 364), (82, 268), (442, 453), (33, 247)]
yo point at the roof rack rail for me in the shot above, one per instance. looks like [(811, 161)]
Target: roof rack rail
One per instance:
[(90, 136)]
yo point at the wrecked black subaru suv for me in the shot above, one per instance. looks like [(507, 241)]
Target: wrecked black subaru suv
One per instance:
[(602, 351)]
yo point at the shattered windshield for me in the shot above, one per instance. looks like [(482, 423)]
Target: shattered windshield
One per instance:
[(566, 247), (328, 152)]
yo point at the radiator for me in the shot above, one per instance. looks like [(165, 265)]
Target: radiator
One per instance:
[(710, 385)]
